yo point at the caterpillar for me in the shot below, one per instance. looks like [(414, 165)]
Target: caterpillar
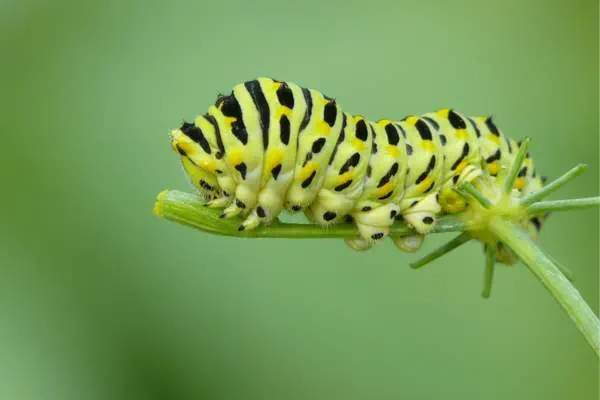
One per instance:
[(272, 145)]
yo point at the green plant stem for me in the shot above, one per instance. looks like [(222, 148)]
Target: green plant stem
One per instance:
[(488, 273), (554, 185), (515, 168), (554, 281), (543, 207), (442, 250), (565, 271), (476, 194), (189, 209)]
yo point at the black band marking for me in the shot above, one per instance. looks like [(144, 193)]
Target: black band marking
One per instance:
[(285, 96), (195, 133), (475, 127), (284, 130), (317, 145), (392, 134), (494, 157), (433, 122), (343, 186), (492, 127), (309, 180), (423, 130), (330, 113), (361, 130), (389, 175), (465, 152), (241, 167), (309, 107), (275, 171), (456, 121), (341, 138), (429, 168), (262, 106), (351, 162), (215, 125)]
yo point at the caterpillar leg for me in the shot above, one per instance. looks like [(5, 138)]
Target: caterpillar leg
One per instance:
[(373, 225), (410, 243), (358, 244), (422, 215), (329, 208), (245, 199), (267, 209), (219, 202)]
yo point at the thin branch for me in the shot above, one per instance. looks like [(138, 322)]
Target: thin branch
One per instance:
[(476, 194), (556, 283), (488, 273), (565, 271), (543, 207), (442, 250), (554, 185), (515, 168), (189, 209)]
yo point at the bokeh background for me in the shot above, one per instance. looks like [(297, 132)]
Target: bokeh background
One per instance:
[(99, 299)]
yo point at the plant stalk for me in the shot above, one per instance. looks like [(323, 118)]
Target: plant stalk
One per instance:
[(189, 209), (550, 276), (542, 207)]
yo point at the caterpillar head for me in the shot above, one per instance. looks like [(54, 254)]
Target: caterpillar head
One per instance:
[(196, 159)]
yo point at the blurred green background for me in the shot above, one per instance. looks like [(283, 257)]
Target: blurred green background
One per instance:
[(101, 300)]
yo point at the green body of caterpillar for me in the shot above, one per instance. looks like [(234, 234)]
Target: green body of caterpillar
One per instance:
[(273, 145)]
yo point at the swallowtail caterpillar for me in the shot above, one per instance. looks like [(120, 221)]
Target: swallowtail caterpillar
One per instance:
[(272, 145)]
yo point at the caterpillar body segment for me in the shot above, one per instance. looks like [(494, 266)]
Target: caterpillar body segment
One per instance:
[(273, 145)]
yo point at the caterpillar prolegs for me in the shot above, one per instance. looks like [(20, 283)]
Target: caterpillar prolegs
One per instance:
[(272, 145)]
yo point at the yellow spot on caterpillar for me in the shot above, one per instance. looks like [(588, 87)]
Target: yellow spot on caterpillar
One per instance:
[(385, 189), (383, 122), (520, 183), (494, 138), (463, 164), (358, 144), (234, 157), (307, 170), (318, 99), (276, 85), (209, 166), (323, 128), (186, 146), (412, 120), (273, 158), (493, 168), (423, 186), (428, 145), (228, 121), (283, 110), (461, 134), (392, 150), (345, 177), (451, 201), (443, 112)]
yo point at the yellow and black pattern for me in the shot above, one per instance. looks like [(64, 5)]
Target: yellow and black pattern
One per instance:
[(273, 145)]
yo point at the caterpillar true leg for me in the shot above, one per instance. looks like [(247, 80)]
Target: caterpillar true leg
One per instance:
[(422, 215), (409, 243), (374, 224)]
